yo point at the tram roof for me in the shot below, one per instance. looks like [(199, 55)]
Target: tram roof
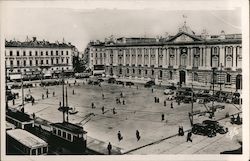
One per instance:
[(69, 127), (26, 138), (18, 115)]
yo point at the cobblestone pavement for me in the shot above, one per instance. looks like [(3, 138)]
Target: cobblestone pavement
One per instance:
[(139, 113)]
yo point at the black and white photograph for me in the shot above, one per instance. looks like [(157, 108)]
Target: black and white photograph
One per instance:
[(125, 78)]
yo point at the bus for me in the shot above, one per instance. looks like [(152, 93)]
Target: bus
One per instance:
[(21, 142)]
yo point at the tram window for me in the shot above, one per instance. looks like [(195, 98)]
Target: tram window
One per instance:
[(64, 134), (33, 151), (44, 149), (59, 132), (69, 136), (39, 151), (54, 130)]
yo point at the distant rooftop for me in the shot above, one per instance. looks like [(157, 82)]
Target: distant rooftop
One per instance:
[(34, 43), (69, 127)]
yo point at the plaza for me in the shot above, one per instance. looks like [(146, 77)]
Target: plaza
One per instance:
[(140, 112)]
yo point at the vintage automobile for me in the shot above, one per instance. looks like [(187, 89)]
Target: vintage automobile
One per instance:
[(28, 98), (149, 84), (112, 80), (129, 83), (208, 128)]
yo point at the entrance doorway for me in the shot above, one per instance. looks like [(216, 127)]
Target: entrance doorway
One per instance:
[(182, 77), (239, 81)]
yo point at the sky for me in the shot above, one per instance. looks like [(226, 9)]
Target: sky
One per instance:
[(79, 23)]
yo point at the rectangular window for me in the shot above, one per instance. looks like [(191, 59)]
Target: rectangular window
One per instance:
[(17, 63), (41, 62), (30, 53), (24, 53), (17, 53), (59, 132), (51, 53), (47, 53), (11, 63), (24, 62), (62, 52), (41, 53), (36, 62), (44, 149), (39, 151), (69, 137), (62, 60), (64, 134), (67, 61), (11, 53), (67, 52), (56, 52), (36, 53), (47, 61), (30, 62), (33, 152)]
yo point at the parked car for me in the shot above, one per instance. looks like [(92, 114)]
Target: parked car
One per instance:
[(28, 98), (129, 84), (112, 80), (168, 91), (203, 129), (172, 87), (149, 84), (215, 125)]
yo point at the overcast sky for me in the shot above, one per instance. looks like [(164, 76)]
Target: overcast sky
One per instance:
[(79, 25)]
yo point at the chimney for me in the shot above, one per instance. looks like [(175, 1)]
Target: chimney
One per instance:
[(34, 38)]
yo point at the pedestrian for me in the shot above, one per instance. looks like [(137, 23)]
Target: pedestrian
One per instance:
[(189, 136), (165, 103), (119, 135), (102, 96), (152, 90), (29, 90), (172, 105), (33, 115), (123, 102), (102, 109), (138, 135), (53, 93), (180, 132), (33, 101), (42, 96), (158, 100), (155, 99), (238, 119), (114, 112), (47, 95), (73, 91), (179, 102), (92, 105), (162, 117), (109, 148), (121, 94), (60, 104), (13, 101), (137, 87)]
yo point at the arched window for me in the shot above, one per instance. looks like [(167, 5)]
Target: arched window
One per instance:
[(160, 75), (229, 61), (170, 75), (215, 61), (196, 77), (228, 79)]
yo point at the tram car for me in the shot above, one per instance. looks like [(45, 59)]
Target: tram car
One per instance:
[(21, 142), (68, 138)]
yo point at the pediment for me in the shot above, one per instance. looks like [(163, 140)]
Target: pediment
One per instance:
[(184, 37)]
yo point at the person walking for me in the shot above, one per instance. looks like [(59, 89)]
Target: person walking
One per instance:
[(123, 102), (189, 136), (53, 93), (92, 105), (114, 112), (13, 101), (119, 135), (172, 105), (42, 96), (162, 117), (102, 109), (73, 91), (33, 101), (102, 96), (165, 103), (138, 135), (109, 147)]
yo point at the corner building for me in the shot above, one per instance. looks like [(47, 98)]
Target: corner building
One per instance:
[(185, 58)]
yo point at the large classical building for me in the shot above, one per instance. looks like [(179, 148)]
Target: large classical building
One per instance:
[(185, 58), (33, 58)]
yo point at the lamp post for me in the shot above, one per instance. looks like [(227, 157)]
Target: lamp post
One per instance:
[(213, 81)]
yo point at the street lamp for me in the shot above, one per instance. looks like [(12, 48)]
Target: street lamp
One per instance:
[(213, 82)]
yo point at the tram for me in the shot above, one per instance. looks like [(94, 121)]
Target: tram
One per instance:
[(21, 142)]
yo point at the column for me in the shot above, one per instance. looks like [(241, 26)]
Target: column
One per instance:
[(143, 50), (164, 57), (167, 56), (176, 56), (149, 57), (200, 57), (191, 57), (234, 57), (156, 57), (136, 57), (124, 57), (222, 56), (130, 57), (208, 57)]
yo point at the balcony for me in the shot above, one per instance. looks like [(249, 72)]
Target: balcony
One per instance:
[(182, 67)]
